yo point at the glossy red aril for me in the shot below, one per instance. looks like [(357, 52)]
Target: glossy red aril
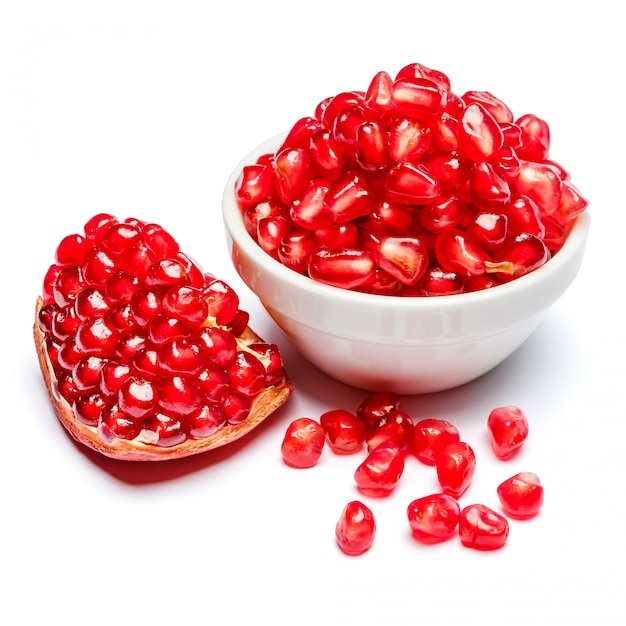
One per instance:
[(376, 408), (405, 158), (521, 496), (433, 518), (303, 443), (356, 528), (482, 528), (345, 432), (145, 356), (341, 267), (431, 436), (508, 430), (455, 466), (381, 470), (397, 427)]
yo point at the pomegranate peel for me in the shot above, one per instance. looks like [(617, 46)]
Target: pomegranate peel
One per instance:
[(144, 356)]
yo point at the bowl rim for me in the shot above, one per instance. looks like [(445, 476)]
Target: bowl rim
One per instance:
[(233, 220)]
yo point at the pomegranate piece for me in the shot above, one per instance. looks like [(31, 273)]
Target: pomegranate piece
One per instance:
[(356, 529), (482, 528), (373, 172), (521, 496), (508, 429), (144, 356), (380, 472), (433, 518), (303, 443), (375, 409), (455, 466), (431, 436)]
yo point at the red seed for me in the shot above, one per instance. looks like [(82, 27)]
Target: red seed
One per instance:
[(433, 518), (380, 472), (431, 436), (455, 466), (508, 429), (482, 528), (303, 443), (521, 496), (356, 528)]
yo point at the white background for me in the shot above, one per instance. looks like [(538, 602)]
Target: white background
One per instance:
[(143, 109)]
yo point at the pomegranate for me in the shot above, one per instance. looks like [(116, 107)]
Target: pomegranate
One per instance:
[(423, 181), (144, 355)]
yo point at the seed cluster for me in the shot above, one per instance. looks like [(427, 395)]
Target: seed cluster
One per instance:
[(390, 436), (143, 344), (408, 188)]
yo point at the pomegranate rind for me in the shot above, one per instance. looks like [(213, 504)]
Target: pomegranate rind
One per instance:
[(263, 405)]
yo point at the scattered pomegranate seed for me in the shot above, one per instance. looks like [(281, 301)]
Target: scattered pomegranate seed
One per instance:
[(303, 443), (431, 436), (521, 496), (403, 161), (380, 472), (355, 529), (455, 466), (482, 528), (508, 429), (434, 518), (130, 332), (344, 430)]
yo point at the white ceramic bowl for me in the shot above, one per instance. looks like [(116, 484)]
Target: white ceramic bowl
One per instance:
[(408, 345)]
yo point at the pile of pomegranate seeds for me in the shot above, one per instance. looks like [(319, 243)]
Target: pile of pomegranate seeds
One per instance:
[(138, 344), (390, 437), (409, 189)]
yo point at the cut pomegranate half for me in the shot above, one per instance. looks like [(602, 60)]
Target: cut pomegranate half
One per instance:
[(146, 357)]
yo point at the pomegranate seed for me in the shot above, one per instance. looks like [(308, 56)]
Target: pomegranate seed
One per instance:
[(439, 282), (303, 443), (480, 135), (295, 250), (348, 198), (520, 256), (355, 529), (455, 466), (541, 184), (496, 107), (341, 267), (397, 428), (291, 172), (344, 430), (72, 249), (524, 216), (301, 133), (447, 212), (431, 436), (482, 528), (378, 94), (168, 430), (489, 229), (337, 236), (376, 408), (487, 189), (254, 185), (411, 184), (326, 159), (418, 97), (381, 470), (534, 139), (270, 232), (433, 518), (409, 139), (508, 429), (521, 496), (178, 396), (247, 375), (309, 211), (405, 258), (418, 70), (207, 421), (371, 147), (571, 205)]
